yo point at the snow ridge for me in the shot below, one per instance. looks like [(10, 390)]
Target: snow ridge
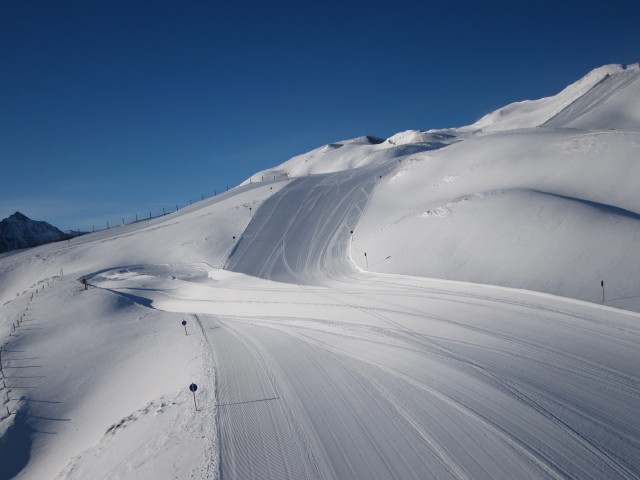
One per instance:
[(531, 113)]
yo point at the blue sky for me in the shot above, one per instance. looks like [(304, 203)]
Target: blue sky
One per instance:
[(110, 109)]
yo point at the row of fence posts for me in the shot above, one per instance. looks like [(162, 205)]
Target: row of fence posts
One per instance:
[(15, 328), (164, 211), (141, 218)]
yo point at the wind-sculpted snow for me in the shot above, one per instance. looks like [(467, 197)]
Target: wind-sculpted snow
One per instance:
[(533, 113), (613, 103)]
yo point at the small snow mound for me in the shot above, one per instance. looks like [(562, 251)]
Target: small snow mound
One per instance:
[(445, 180), (331, 146), (440, 212), (364, 140), (156, 406), (408, 136), (436, 138)]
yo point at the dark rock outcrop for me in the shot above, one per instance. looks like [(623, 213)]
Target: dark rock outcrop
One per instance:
[(19, 231)]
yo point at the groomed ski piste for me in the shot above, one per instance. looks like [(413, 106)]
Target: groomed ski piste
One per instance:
[(424, 306)]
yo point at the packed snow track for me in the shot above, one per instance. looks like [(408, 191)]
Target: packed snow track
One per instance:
[(379, 377)]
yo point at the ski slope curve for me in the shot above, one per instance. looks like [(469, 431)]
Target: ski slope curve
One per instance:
[(389, 376), (302, 233)]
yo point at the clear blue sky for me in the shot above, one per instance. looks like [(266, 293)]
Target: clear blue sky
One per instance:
[(112, 108)]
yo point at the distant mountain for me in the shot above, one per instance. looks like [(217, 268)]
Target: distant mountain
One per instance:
[(19, 231)]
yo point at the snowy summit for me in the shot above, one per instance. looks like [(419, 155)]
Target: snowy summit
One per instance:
[(19, 231), (452, 303)]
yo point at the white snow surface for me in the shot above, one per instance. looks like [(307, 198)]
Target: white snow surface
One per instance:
[(425, 306), (534, 113)]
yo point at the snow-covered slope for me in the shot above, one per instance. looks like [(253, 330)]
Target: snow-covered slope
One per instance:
[(330, 326), (302, 235), (555, 211), (539, 195), (533, 113), (359, 152), (613, 103), (201, 233)]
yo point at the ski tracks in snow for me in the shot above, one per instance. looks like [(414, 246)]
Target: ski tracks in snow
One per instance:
[(380, 378), (398, 377), (292, 409), (257, 434), (321, 210)]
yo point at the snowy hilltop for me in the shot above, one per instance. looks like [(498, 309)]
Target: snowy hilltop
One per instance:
[(440, 304), (539, 194), (19, 231)]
